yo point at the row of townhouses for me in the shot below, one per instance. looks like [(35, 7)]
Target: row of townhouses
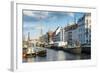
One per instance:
[(73, 35)]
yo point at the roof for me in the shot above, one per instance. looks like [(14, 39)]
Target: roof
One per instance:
[(71, 27)]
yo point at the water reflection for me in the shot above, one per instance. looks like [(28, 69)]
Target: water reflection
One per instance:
[(55, 55), (61, 55)]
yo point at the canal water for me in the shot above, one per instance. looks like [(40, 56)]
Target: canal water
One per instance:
[(57, 55)]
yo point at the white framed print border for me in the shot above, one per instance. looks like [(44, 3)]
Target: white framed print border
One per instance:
[(17, 9)]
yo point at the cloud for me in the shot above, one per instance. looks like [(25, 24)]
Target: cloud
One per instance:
[(47, 16), (71, 14), (33, 27), (36, 14), (28, 13)]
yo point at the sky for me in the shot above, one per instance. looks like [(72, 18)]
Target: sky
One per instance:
[(34, 21)]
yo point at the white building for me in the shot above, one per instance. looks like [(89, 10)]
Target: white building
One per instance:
[(84, 29), (80, 33), (71, 35), (58, 37)]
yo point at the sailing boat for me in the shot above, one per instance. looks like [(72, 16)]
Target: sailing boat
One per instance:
[(30, 50)]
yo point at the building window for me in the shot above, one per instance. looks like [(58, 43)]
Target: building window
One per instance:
[(87, 22), (86, 41)]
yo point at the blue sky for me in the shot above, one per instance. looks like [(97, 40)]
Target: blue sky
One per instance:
[(33, 21)]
